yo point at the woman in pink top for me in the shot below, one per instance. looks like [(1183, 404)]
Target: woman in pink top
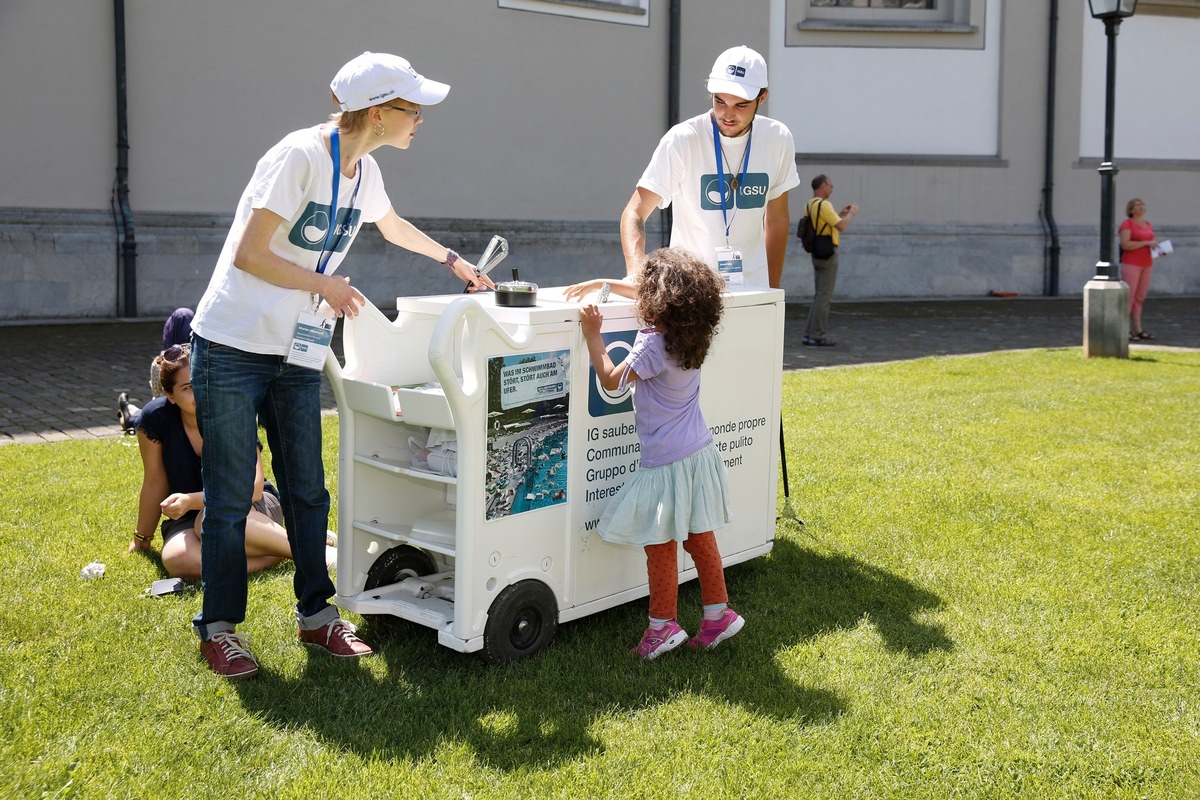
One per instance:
[(1137, 237)]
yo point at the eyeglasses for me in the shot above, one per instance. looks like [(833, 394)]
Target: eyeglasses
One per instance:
[(416, 112), (176, 352)]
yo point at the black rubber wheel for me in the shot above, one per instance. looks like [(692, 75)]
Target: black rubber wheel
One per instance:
[(398, 563), (521, 621)]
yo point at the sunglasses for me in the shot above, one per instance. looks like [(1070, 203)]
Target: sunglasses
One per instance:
[(176, 352)]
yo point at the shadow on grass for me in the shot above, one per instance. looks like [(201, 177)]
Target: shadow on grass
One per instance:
[(553, 708), (1148, 357), (827, 591)]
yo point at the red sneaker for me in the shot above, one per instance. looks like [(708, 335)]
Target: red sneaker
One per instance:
[(338, 638), (227, 655)]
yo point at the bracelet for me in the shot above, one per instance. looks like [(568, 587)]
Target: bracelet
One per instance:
[(141, 538), (451, 257)]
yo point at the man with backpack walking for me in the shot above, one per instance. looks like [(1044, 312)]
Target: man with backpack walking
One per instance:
[(824, 227)]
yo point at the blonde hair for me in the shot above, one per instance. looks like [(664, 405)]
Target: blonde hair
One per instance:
[(1129, 206), (348, 121)]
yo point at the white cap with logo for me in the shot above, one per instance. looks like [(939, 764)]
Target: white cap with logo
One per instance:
[(375, 78), (738, 71)]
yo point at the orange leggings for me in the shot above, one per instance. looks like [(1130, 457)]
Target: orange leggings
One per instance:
[(662, 565)]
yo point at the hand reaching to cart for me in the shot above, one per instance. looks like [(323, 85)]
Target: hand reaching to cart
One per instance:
[(343, 299), (590, 319), (623, 287), (466, 271), (609, 374)]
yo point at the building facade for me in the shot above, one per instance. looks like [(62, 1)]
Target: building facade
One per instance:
[(969, 131)]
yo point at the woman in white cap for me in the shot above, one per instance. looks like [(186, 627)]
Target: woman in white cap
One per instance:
[(261, 333)]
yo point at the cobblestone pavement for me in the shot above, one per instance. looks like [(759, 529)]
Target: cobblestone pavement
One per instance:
[(61, 381)]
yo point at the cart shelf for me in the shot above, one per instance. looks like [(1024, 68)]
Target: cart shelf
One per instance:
[(432, 533), (423, 405), (433, 612), (398, 468)]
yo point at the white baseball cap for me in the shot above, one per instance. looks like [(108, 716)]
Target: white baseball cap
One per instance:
[(375, 78), (738, 71)]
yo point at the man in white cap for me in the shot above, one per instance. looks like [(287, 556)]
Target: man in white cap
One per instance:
[(726, 173), (260, 337)]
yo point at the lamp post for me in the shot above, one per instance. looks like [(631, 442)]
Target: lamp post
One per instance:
[(1106, 296)]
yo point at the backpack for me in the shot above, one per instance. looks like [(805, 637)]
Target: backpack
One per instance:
[(821, 246), (805, 233)]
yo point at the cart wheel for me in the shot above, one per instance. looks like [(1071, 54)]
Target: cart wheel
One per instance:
[(398, 563), (521, 621)]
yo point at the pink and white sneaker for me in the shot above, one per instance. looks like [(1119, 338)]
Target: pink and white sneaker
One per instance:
[(655, 642), (713, 632)]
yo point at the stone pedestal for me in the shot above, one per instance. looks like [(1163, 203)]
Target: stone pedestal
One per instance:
[(1106, 319)]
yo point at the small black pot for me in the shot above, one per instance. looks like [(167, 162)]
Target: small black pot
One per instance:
[(516, 293)]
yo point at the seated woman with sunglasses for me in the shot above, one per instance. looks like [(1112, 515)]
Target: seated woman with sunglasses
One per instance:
[(170, 445), (176, 330)]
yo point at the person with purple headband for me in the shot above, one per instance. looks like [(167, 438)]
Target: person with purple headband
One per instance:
[(176, 330)]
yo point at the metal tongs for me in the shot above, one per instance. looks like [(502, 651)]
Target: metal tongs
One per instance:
[(495, 252)]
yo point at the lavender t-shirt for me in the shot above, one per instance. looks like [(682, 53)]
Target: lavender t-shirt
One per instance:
[(666, 403)]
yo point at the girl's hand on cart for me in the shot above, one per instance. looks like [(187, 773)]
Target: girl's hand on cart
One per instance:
[(590, 319)]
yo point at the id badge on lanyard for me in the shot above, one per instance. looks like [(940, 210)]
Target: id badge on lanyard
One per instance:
[(729, 264), (729, 258), (310, 341)]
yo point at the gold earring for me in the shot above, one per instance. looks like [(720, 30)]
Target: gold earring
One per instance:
[(379, 131)]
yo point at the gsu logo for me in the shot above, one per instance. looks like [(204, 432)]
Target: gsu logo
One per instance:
[(752, 193), (602, 402)]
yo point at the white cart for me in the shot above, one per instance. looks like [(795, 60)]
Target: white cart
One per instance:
[(495, 556)]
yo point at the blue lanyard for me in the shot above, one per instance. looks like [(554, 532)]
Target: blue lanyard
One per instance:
[(331, 244), (721, 169)]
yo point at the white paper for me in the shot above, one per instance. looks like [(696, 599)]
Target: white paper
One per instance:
[(1162, 248)]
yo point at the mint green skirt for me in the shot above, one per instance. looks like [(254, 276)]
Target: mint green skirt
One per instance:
[(666, 503)]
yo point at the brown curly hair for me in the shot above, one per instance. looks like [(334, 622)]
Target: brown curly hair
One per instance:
[(680, 295)]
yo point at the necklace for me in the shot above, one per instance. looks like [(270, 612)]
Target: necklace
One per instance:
[(733, 176)]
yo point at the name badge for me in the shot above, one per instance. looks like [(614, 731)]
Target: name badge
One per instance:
[(310, 341), (729, 264)]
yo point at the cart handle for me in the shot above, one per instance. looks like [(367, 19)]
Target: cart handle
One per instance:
[(467, 310)]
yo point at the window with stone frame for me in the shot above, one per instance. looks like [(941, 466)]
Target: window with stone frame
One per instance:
[(627, 12), (934, 24)]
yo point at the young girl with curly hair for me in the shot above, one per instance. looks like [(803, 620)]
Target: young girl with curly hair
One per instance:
[(679, 492)]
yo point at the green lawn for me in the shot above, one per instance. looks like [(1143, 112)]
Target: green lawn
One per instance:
[(993, 595)]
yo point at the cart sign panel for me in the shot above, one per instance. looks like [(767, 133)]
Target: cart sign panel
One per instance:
[(533, 381), (529, 397)]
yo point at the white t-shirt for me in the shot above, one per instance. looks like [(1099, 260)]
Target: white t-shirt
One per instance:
[(294, 180), (683, 172)]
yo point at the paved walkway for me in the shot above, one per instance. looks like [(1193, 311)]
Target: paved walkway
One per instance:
[(61, 381)]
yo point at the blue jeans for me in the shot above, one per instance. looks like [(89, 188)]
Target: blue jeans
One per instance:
[(236, 390)]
